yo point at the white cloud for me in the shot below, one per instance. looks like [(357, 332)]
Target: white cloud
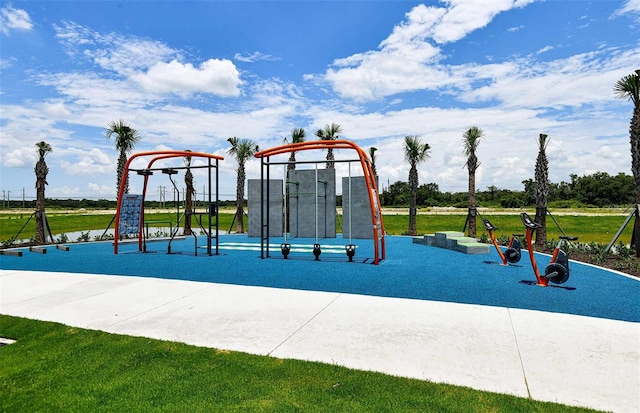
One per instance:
[(408, 59), (84, 162), (20, 158), (14, 19), (545, 49), (254, 57), (630, 7), (7, 63), (101, 189), (511, 83), (56, 109), (218, 77), (607, 152), (117, 53), (463, 17)]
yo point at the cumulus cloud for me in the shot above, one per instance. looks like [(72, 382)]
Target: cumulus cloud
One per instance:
[(218, 77), (14, 19), (19, 158), (146, 71), (607, 152), (408, 59), (83, 162)]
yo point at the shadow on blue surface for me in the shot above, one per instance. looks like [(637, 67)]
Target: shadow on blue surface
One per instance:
[(410, 271)]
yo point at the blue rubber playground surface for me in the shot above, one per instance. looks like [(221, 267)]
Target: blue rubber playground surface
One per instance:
[(409, 271)]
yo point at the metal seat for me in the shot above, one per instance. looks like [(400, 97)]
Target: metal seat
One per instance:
[(528, 222)]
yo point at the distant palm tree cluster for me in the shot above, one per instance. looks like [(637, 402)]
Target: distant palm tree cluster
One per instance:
[(415, 152)]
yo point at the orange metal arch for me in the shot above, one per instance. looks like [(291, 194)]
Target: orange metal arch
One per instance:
[(365, 162), (158, 155)]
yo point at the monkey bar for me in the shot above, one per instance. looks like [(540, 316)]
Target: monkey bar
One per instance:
[(372, 191), (137, 201)]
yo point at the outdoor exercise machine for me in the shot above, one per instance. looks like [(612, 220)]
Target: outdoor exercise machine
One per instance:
[(372, 193), (558, 269), (129, 217), (512, 254)]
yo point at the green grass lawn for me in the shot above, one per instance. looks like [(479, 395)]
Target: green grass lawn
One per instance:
[(591, 228), (56, 368), (64, 223), (598, 229)]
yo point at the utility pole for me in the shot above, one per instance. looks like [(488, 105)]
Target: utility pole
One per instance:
[(162, 190), (23, 195)]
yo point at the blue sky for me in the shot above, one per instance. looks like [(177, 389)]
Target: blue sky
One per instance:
[(190, 74)]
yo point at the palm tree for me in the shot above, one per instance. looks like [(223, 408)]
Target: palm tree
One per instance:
[(415, 152), (329, 133), (542, 189), (126, 138), (188, 197), (297, 136), (241, 149), (629, 87), (41, 171), (471, 139), (372, 155)]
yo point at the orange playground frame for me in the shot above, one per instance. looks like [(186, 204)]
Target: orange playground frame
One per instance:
[(372, 190)]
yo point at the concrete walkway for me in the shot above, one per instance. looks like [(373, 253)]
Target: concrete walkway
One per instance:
[(574, 360)]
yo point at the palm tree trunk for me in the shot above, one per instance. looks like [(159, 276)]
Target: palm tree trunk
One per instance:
[(188, 207), (413, 231), (330, 158), (40, 235), (413, 188), (472, 202), (541, 233), (240, 199), (41, 174), (122, 163), (635, 169)]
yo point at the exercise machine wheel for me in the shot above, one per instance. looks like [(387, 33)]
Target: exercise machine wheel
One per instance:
[(513, 255), (556, 273)]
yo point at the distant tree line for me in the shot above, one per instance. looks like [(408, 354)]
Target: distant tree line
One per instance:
[(597, 190)]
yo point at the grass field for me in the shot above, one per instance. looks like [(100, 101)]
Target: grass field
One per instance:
[(57, 368), (598, 228)]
